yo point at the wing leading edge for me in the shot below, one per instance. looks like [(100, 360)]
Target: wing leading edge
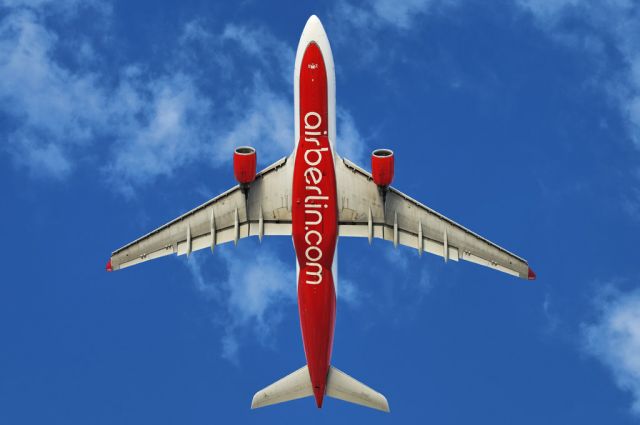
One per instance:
[(264, 211), (405, 221)]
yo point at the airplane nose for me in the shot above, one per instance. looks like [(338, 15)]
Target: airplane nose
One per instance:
[(314, 26), (313, 20)]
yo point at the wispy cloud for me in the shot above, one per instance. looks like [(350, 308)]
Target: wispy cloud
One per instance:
[(167, 127), (631, 203), (263, 47), (64, 8), (54, 110), (351, 144), (256, 289), (614, 338), (221, 88), (609, 33), (350, 293), (150, 122), (58, 112), (252, 292), (605, 27), (264, 120), (395, 14), (408, 279)]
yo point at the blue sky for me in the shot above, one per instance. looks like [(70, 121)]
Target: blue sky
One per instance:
[(518, 118)]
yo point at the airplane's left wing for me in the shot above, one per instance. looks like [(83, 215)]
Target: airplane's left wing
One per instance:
[(397, 218), (264, 210)]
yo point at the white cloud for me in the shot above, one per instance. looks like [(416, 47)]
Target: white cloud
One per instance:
[(164, 127), (397, 257), (608, 33), (263, 120), (615, 339), (134, 124), (46, 159), (66, 7), (397, 14), (252, 291), (55, 109), (152, 122), (403, 259), (631, 203), (359, 26), (351, 143), (257, 288), (259, 110), (547, 9), (264, 48), (59, 113), (349, 292), (612, 23)]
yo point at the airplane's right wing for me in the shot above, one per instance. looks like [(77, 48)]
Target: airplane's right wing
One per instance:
[(266, 210), (405, 221)]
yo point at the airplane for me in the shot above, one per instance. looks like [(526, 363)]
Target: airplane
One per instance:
[(316, 196)]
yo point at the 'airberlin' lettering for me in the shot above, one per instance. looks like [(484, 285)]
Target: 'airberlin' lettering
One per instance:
[(313, 203)]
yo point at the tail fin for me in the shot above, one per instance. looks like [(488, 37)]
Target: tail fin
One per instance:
[(339, 385)]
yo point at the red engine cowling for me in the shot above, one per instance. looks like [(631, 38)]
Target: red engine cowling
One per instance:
[(244, 164), (382, 167)]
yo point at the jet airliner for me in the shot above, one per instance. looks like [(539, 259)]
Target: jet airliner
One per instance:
[(315, 196)]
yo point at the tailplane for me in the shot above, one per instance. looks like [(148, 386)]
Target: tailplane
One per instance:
[(339, 385), (293, 386), (343, 387)]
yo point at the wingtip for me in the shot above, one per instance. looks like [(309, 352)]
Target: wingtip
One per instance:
[(255, 401), (108, 266), (531, 275), (384, 405)]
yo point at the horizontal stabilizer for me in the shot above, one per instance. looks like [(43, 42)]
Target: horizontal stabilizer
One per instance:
[(293, 386), (343, 387)]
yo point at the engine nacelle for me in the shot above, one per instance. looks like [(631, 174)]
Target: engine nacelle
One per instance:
[(382, 165), (244, 164)]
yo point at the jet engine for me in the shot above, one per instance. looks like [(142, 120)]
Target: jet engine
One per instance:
[(382, 167), (244, 164)]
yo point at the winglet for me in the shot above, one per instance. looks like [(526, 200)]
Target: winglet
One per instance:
[(532, 274), (109, 268)]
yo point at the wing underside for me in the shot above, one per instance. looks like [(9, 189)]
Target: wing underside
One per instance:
[(266, 210), (263, 210)]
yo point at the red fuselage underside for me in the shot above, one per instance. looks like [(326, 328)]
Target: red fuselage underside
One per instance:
[(314, 220)]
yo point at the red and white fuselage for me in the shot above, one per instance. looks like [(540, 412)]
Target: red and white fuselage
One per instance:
[(309, 181), (314, 207)]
